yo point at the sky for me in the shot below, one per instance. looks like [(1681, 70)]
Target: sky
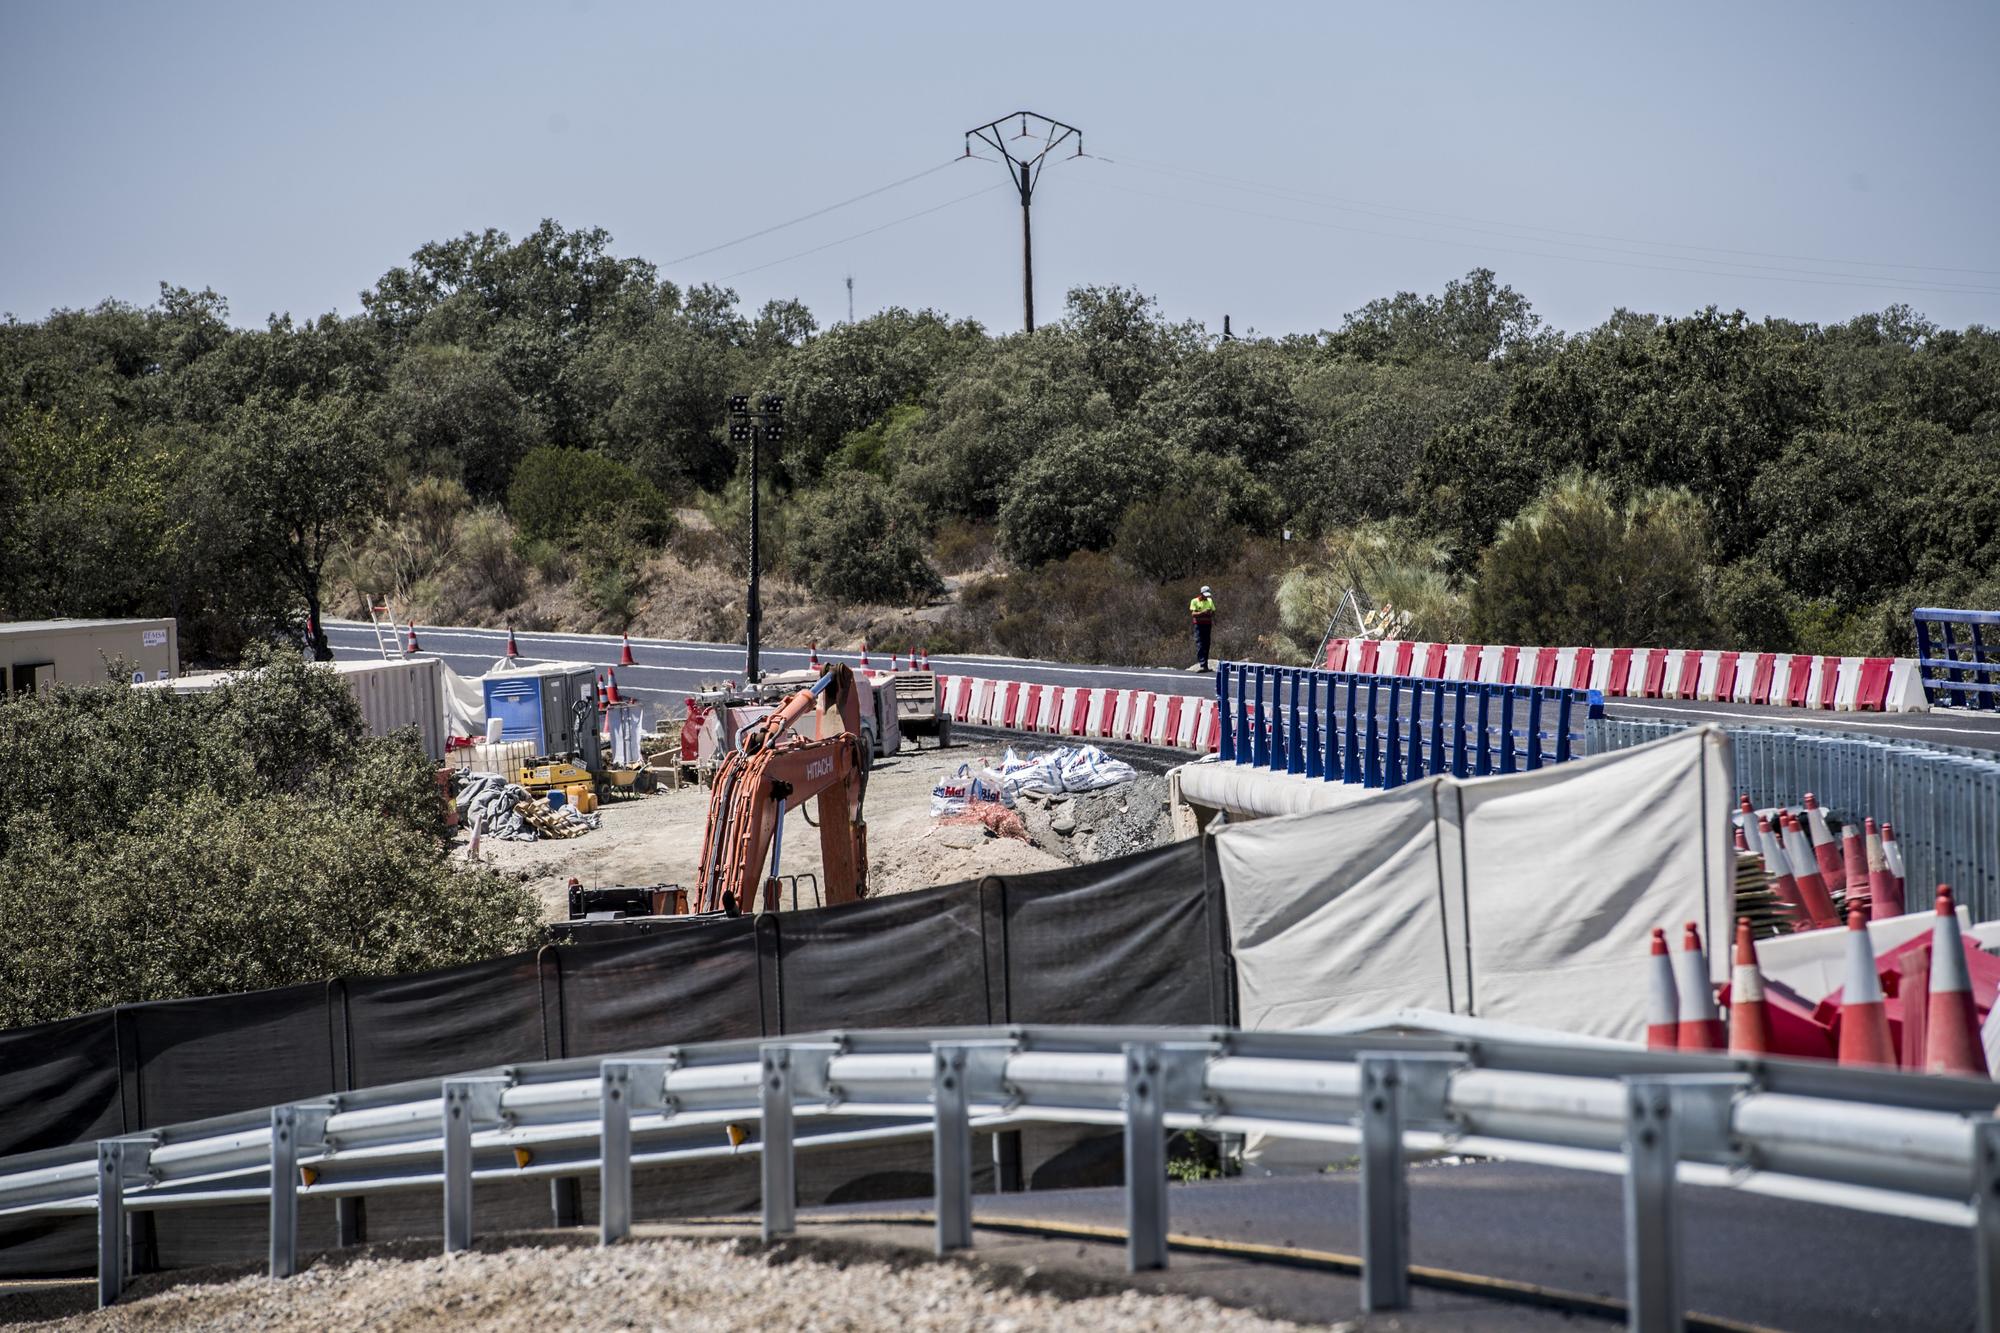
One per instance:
[(1282, 163)]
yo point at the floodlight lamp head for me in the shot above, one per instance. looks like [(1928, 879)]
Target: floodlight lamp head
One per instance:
[(774, 430), (739, 432), (774, 405), (739, 403)]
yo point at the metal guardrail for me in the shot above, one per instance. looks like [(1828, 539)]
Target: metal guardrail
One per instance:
[(1944, 801), (1384, 731), (1873, 1140), (1958, 673)]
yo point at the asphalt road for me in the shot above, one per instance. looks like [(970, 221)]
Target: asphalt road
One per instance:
[(1771, 1262), (668, 670)]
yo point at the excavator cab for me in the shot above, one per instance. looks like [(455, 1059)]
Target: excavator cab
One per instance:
[(777, 768)]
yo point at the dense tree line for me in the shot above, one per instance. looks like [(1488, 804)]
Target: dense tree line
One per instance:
[(544, 409)]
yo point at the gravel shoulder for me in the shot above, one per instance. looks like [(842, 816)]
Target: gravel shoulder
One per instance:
[(660, 1282)]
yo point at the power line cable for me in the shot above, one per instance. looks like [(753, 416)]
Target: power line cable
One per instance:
[(1721, 269), (817, 212), (1367, 206), (893, 222)]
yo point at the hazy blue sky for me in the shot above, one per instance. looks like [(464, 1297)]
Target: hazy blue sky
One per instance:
[(286, 154)]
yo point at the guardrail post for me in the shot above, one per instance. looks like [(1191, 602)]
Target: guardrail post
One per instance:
[(1438, 760), (1986, 1213), (780, 1175), (1245, 744), (118, 1162), (624, 1086), (1413, 763), (1225, 733), (1458, 692), (350, 1221), (1482, 757), (951, 1149), (1315, 743), (1395, 1089), (1278, 754), (1666, 1118), (1350, 766), (467, 1102), (1564, 702), (1392, 753), (294, 1129), (1145, 1159), (1371, 758), (1295, 757), (1507, 764)]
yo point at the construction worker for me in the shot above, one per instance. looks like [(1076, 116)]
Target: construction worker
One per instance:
[(1201, 609)]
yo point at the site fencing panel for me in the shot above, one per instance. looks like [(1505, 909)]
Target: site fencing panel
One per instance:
[(1383, 731), (1958, 656), (1944, 801)]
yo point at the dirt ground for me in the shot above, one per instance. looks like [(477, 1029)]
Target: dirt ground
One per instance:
[(657, 839)]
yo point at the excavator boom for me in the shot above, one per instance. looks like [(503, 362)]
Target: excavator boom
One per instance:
[(776, 770)]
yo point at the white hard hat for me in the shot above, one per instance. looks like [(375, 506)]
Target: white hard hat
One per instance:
[(1204, 590)]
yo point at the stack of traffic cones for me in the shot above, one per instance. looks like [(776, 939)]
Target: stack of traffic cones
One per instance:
[(1825, 851), (1663, 1009), (1885, 896), (1749, 1019), (625, 651), (1775, 870), (1805, 873), (1892, 854), (1700, 1027), (1952, 1042), (1854, 870), (1864, 1019)]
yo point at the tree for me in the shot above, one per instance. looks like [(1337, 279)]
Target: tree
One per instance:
[(1475, 319), (1580, 566), (449, 410), (1071, 495), (854, 541), (574, 498), (311, 473), (271, 841)]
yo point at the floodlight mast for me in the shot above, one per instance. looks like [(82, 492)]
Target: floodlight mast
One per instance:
[(1024, 171)]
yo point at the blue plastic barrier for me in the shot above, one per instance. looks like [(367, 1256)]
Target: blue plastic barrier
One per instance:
[(1958, 672), (1342, 726)]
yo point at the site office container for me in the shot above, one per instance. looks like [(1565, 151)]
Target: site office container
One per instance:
[(392, 695), (35, 654)]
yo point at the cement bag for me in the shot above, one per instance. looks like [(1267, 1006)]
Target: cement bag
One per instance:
[(951, 794), (1088, 768), (1038, 773)]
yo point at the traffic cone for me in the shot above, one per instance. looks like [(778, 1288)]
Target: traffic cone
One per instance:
[(812, 659), (1864, 1023), (1742, 842), (1663, 1006), (411, 646), (1892, 856), (1805, 873), (1885, 899), (1776, 870), (895, 661), (1826, 851), (597, 692), (864, 654), (513, 649), (927, 660), (1700, 1028), (1952, 1042), (1854, 869), (1749, 1019), (625, 651), (611, 694)]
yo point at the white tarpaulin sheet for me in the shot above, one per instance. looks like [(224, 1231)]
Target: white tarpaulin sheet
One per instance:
[(1529, 898)]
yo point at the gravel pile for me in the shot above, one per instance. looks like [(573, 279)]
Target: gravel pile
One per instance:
[(649, 1284), (1090, 826)]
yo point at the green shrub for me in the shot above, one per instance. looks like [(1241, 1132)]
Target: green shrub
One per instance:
[(154, 846), (573, 498), (1071, 495), (855, 542)]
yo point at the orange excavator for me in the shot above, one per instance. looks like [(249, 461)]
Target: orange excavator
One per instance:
[(775, 770)]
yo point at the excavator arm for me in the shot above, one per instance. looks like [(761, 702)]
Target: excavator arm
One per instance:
[(777, 770)]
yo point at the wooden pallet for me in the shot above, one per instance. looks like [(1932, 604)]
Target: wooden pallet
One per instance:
[(546, 825)]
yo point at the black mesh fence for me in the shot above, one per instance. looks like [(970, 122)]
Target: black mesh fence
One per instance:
[(1137, 940)]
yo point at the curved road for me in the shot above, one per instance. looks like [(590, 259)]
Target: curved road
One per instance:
[(668, 670)]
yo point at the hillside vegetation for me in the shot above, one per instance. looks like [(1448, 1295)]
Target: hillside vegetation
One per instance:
[(533, 431)]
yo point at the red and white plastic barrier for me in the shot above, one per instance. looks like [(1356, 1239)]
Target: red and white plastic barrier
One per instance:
[(1801, 680), (1172, 721)]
